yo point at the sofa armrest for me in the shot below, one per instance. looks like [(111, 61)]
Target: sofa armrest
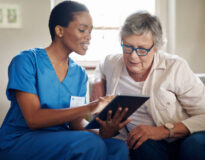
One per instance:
[(202, 77)]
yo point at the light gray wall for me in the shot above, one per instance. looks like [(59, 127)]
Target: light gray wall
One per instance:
[(34, 33), (190, 32)]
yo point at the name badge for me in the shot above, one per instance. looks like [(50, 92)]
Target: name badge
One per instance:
[(76, 101)]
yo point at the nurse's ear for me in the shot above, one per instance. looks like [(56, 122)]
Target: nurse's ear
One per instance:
[(59, 31)]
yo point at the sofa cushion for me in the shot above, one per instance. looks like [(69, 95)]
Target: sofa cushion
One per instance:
[(202, 77)]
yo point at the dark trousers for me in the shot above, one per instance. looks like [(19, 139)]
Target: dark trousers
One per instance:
[(190, 148)]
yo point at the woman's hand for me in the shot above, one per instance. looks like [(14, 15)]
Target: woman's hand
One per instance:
[(99, 104), (145, 132), (110, 127)]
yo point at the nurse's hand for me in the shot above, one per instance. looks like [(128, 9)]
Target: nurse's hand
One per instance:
[(112, 125), (99, 104)]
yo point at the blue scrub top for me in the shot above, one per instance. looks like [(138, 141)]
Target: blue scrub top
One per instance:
[(31, 71)]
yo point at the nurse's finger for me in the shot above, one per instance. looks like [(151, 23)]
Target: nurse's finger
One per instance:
[(109, 116), (122, 115), (101, 122), (109, 98), (124, 123), (117, 114)]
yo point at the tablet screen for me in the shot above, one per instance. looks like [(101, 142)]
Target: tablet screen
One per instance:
[(131, 102)]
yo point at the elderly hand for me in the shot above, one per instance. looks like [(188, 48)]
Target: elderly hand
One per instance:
[(110, 127), (145, 132)]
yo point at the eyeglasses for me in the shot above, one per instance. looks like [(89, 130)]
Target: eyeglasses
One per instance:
[(140, 51)]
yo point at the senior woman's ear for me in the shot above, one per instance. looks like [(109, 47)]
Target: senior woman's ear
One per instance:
[(154, 49)]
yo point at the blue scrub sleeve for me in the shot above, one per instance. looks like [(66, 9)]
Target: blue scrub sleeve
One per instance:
[(83, 89), (21, 74)]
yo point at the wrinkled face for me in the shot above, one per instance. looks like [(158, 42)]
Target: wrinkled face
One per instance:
[(139, 64), (76, 36)]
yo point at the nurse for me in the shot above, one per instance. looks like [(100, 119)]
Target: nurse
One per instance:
[(43, 86)]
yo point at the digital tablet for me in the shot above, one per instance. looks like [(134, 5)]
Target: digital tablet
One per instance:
[(131, 102)]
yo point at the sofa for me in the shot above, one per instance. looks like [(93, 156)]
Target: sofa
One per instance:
[(4, 110), (202, 77)]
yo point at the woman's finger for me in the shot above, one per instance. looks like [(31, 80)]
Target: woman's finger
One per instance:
[(134, 132), (117, 114), (107, 98), (101, 122), (140, 142), (133, 139), (124, 123), (132, 135), (109, 116), (122, 115)]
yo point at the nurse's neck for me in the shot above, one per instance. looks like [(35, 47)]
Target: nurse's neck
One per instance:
[(57, 54)]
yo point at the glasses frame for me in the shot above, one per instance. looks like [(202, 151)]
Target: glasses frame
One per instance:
[(136, 49)]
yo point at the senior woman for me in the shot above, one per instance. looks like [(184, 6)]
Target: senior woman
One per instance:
[(171, 123)]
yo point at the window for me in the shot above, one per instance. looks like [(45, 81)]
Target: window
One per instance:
[(108, 16)]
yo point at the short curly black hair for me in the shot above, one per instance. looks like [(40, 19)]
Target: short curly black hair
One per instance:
[(62, 14)]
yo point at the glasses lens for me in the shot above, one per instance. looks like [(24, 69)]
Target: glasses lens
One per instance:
[(142, 52), (127, 49)]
